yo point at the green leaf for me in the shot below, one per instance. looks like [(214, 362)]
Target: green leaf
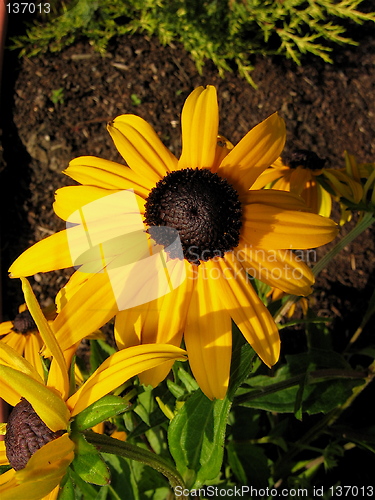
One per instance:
[(134, 480), (175, 389), (101, 410), (122, 477), (241, 365), (196, 438), (188, 381), (88, 492), (67, 491), (249, 464), (313, 382), (88, 463), (99, 352), (196, 434)]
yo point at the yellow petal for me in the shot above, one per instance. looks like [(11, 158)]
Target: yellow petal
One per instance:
[(70, 199), (43, 472), (3, 456), (324, 202), (6, 327), (119, 368), (164, 324), (129, 324), (283, 183), (46, 403), (16, 341), (223, 147), (7, 477), (100, 230), (74, 284), (47, 336), (139, 145), (312, 194), (53, 495), (298, 179), (277, 268), (254, 153), (344, 185), (47, 255), (268, 176), (32, 350), (88, 309), (11, 357), (247, 311), (199, 123), (208, 333), (272, 228), (92, 171), (352, 167), (274, 198)]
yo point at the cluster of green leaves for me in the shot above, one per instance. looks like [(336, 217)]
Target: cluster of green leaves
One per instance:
[(244, 440), (225, 31)]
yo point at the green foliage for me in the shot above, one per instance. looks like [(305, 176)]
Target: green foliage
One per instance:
[(225, 31), (57, 96)]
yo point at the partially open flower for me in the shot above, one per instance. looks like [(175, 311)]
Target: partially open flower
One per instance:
[(22, 334), (302, 172)]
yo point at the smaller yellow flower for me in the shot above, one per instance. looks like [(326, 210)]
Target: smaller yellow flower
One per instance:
[(303, 173), (23, 336), (41, 453)]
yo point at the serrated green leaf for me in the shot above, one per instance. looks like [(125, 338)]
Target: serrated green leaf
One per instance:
[(196, 438), (88, 463), (101, 410)]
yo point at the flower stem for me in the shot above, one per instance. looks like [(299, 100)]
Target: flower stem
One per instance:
[(362, 225), (106, 444)]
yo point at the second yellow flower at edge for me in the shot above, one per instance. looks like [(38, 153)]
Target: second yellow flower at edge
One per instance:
[(54, 405)]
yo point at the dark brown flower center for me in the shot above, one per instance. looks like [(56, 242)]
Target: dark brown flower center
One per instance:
[(304, 158), (24, 323), (25, 434), (201, 208)]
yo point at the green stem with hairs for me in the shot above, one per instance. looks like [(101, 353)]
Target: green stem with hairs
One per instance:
[(106, 444)]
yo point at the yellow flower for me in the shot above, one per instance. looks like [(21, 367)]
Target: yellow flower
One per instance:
[(40, 449), (225, 232), (303, 173), (23, 336)]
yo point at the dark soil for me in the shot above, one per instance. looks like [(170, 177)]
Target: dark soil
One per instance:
[(327, 108)]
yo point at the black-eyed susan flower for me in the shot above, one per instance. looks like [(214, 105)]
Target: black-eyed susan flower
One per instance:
[(22, 334), (37, 444), (303, 173), (225, 233)]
